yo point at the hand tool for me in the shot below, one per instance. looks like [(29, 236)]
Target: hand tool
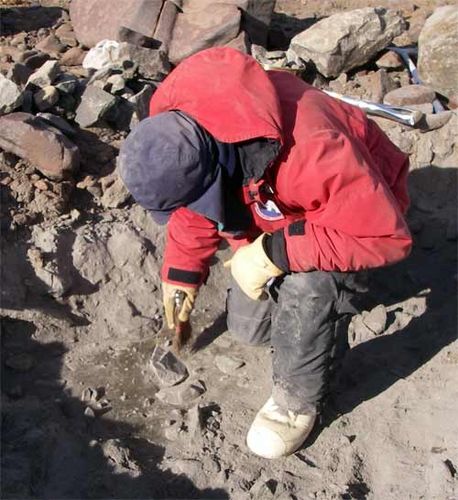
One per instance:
[(183, 330), (405, 53), (396, 113)]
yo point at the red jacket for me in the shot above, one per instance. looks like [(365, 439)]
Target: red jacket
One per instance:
[(336, 171)]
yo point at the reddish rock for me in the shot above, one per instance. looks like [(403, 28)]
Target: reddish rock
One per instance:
[(166, 24), (197, 29), (390, 60), (50, 45), (241, 43), (96, 20), (410, 94), (453, 101), (66, 35), (46, 148), (41, 185), (376, 85), (73, 57)]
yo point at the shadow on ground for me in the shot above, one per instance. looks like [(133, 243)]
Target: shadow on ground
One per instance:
[(51, 449), (14, 20), (431, 271)]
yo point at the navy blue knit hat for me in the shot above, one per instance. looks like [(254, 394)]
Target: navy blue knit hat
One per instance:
[(169, 161)]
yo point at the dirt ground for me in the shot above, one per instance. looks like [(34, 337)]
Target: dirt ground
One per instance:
[(84, 416)]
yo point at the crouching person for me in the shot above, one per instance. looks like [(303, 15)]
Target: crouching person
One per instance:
[(308, 192)]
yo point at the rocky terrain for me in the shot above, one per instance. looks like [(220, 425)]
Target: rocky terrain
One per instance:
[(87, 410)]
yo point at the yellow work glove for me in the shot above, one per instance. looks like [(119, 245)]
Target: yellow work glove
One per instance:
[(252, 269), (168, 299)]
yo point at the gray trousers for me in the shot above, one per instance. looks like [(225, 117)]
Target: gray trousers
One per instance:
[(305, 320)]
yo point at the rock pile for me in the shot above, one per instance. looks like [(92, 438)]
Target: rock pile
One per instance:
[(178, 28)]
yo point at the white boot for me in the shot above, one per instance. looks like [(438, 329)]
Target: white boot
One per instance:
[(276, 432)]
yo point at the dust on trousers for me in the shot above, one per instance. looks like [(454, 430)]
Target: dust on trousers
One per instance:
[(305, 320)]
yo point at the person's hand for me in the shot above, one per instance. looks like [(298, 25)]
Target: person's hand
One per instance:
[(168, 298), (252, 269)]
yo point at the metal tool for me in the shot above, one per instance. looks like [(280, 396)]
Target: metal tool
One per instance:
[(398, 114), (183, 330), (405, 53)]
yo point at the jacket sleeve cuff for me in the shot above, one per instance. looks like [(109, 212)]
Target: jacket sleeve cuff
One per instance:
[(176, 276), (275, 247)]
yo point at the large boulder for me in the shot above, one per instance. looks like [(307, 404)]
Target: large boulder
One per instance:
[(184, 26), (438, 47), (45, 147), (198, 28), (347, 40), (95, 20)]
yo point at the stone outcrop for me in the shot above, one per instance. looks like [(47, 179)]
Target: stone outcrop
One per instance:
[(95, 20), (43, 146), (181, 26), (199, 28), (347, 40), (438, 47)]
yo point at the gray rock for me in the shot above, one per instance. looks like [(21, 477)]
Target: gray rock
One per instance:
[(89, 412), (140, 102), (151, 63), (95, 104), (115, 195), (181, 395), (228, 364), (45, 239), (19, 73), (358, 332), (195, 422), (58, 122), (167, 367), (410, 94), (437, 46), (115, 84), (35, 59), (376, 319), (10, 95), (46, 269), (20, 362), (46, 97), (433, 121), (347, 40), (46, 148), (91, 258), (92, 395), (44, 76), (66, 84)]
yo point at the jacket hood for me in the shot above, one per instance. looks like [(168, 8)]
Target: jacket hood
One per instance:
[(226, 92)]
